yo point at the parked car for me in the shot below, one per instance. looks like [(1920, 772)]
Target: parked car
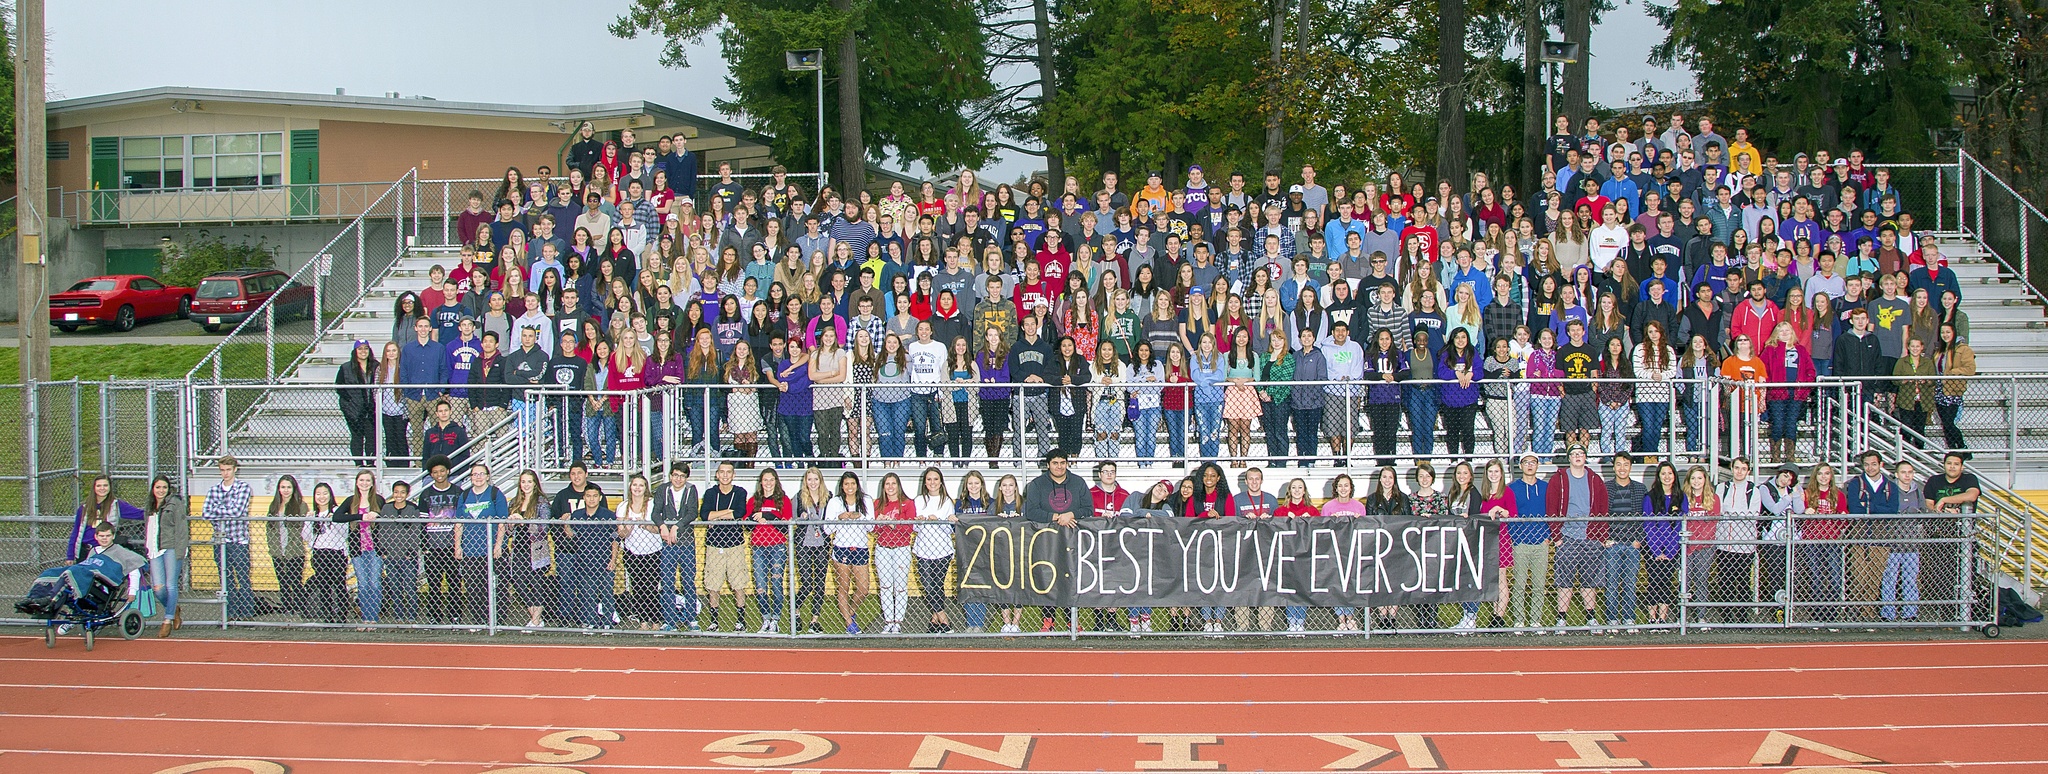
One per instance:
[(227, 298), (119, 300)]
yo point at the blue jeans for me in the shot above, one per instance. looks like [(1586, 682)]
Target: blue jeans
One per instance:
[(1824, 366), (369, 585), (1274, 420), (583, 589), (925, 425), (1177, 433), (1624, 561), (1784, 418), (1689, 410), (1543, 423), (1614, 428), (1145, 431), (1901, 581), (1652, 416), (165, 576), (1820, 571), (890, 419), (770, 565), (655, 432), (1209, 426), (1422, 408), (679, 566), (571, 425), (401, 588), (233, 561), (602, 432), (796, 430), (1308, 423)]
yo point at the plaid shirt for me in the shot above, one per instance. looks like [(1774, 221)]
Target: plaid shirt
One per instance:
[(227, 506)]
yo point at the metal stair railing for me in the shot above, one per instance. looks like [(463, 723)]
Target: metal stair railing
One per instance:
[(2009, 532)]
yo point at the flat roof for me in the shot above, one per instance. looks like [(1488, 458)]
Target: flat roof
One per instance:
[(425, 105)]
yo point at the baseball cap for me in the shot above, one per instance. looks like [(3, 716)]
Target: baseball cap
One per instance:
[(1841, 162), (1294, 189)]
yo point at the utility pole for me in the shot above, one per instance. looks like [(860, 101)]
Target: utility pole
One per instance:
[(32, 315)]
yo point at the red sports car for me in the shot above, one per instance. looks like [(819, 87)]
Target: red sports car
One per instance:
[(119, 300)]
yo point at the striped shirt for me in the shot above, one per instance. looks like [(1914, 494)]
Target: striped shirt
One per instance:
[(227, 507), (856, 235)]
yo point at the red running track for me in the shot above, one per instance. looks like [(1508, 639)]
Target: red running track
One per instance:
[(188, 705)]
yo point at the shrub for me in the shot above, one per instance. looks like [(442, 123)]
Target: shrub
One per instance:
[(186, 262)]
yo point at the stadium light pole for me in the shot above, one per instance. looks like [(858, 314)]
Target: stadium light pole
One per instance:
[(812, 60), (1556, 52)]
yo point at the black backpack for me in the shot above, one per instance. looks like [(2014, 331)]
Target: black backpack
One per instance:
[(2014, 611)]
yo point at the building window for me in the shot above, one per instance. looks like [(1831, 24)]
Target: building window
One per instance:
[(203, 161), (152, 162), (237, 160)]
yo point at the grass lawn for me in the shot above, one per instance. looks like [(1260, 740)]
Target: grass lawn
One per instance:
[(127, 361)]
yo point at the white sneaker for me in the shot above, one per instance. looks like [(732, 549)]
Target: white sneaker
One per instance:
[(1470, 621), (1011, 629), (1297, 627), (1145, 624), (767, 626)]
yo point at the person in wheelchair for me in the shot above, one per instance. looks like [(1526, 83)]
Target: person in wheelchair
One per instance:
[(94, 588)]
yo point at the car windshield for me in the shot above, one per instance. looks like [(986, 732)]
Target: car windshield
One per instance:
[(219, 288), (93, 285)]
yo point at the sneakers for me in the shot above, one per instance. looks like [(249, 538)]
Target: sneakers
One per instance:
[(770, 626), (1468, 623), (1048, 625), (1297, 627), (852, 628), (712, 626), (1012, 629)]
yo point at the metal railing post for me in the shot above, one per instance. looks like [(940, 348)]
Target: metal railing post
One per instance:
[(1791, 568), (270, 341), (491, 581), (32, 407), (362, 279), (106, 428), (2012, 430)]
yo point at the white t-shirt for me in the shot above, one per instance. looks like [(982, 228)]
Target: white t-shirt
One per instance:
[(1606, 243), (933, 541), (927, 364), (847, 535), (639, 541)]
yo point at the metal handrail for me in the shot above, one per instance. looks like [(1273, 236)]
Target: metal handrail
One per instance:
[(266, 312)]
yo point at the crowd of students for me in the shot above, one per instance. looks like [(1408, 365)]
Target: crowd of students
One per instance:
[(959, 320), (853, 554)]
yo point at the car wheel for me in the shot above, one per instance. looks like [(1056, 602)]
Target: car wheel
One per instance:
[(124, 320), (185, 308), (67, 328), (211, 328)]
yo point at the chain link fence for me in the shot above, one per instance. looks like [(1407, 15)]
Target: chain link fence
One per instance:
[(1613, 574)]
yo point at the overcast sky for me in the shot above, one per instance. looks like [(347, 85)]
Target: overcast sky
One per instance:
[(454, 52)]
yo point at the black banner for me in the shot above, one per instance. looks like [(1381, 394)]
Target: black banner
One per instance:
[(1148, 561)]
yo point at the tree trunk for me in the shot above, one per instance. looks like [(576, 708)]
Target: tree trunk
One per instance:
[(1533, 119), (1048, 89), (1578, 24), (853, 156), (1450, 130), (1276, 36)]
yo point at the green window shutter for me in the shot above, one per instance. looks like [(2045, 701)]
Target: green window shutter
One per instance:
[(305, 161), (305, 173), (106, 162), (103, 203)]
